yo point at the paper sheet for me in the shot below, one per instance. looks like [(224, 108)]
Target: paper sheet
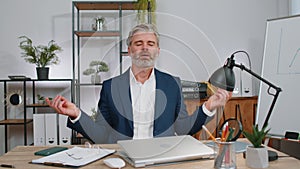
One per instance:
[(75, 156)]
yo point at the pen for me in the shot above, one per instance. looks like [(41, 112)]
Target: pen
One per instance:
[(224, 132), (209, 133), (229, 137), (7, 165)]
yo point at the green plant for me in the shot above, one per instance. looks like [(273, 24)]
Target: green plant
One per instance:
[(142, 7), (94, 114), (257, 136), (40, 97), (96, 67), (40, 55)]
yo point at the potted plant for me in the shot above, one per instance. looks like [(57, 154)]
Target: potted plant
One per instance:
[(95, 68), (142, 8), (40, 55), (257, 153), (40, 99)]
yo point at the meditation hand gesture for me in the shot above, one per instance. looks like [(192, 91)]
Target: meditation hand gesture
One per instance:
[(63, 106)]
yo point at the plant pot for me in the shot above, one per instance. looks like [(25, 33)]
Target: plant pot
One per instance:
[(257, 157), (41, 101), (95, 78), (42, 73)]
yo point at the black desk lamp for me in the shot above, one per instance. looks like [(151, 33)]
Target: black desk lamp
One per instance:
[(224, 78)]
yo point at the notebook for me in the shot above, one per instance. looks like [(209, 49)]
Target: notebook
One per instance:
[(49, 151), (144, 152)]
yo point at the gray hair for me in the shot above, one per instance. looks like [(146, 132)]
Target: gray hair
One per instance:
[(142, 28)]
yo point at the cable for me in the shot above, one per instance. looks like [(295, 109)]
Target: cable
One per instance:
[(248, 57)]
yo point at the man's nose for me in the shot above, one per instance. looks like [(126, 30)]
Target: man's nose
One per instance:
[(145, 47)]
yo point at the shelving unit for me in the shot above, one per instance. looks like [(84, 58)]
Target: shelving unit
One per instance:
[(80, 34), (79, 8), (24, 86)]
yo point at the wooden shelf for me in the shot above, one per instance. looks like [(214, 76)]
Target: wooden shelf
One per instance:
[(88, 84), (14, 121), (125, 54), (37, 105), (97, 33), (104, 5)]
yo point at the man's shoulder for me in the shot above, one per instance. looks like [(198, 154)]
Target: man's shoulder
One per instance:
[(165, 75), (117, 78)]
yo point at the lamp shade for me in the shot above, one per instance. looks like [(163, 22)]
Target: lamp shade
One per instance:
[(223, 78)]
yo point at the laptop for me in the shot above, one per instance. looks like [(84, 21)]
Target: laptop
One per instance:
[(153, 151)]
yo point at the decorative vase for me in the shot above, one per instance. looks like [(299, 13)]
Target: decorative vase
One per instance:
[(99, 24), (257, 157), (42, 73), (95, 78)]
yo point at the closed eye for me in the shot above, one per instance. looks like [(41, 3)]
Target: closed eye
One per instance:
[(151, 43), (138, 43)]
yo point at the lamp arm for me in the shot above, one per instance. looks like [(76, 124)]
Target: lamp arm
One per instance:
[(278, 90)]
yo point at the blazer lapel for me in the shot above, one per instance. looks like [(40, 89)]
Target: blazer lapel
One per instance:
[(160, 97), (122, 86)]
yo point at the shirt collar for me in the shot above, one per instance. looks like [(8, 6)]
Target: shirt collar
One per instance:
[(133, 79)]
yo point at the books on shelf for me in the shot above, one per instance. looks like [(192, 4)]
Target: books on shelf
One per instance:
[(194, 90), (18, 77)]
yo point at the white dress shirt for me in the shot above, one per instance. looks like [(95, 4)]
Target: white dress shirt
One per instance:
[(143, 100)]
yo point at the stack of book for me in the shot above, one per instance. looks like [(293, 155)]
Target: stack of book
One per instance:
[(194, 90)]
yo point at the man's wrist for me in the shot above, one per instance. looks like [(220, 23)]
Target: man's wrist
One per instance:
[(75, 119), (207, 105), (208, 111)]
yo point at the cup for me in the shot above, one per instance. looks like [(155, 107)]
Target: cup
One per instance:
[(225, 155)]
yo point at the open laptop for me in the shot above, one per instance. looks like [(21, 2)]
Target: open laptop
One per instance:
[(144, 152)]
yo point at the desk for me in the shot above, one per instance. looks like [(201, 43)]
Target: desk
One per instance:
[(21, 156)]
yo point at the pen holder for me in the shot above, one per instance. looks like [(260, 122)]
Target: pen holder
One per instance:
[(225, 155)]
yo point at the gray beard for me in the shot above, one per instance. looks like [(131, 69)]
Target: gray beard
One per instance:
[(143, 63)]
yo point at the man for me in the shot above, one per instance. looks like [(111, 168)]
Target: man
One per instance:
[(141, 103)]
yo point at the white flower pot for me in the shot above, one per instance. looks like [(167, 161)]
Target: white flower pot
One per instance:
[(257, 157), (95, 79)]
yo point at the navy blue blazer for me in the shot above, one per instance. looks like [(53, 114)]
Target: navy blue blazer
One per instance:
[(115, 119)]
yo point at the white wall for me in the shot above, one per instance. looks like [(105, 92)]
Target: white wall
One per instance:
[(294, 7), (194, 32), (41, 21), (230, 25)]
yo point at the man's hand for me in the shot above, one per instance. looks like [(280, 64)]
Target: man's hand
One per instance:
[(219, 99), (63, 106)]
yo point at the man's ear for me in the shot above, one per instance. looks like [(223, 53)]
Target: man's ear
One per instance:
[(129, 51)]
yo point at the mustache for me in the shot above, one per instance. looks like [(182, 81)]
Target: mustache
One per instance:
[(144, 53), (141, 54)]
